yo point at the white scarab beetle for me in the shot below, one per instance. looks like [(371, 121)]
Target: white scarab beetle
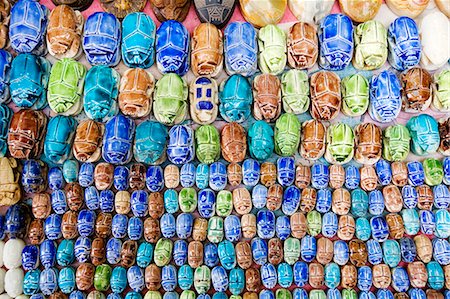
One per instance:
[(2, 246), (5, 296), (2, 280), (435, 37), (12, 253), (14, 282)]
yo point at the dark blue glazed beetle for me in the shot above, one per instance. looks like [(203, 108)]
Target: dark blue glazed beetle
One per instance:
[(118, 140), (30, 257)]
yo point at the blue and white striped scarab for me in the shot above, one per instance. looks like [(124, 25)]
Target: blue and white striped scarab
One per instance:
[(265, 224), (384, 172), (237, 282), (29, 80), (285, 275), (376, 202), (320, 176), (186, 277), (86, 222), (332, 275), (206, 203), (219, 278), (379, 227), (47, 253), (169, 278), (121, 176), (352, 177), (118, 281), (259, 196), (435, 275), (34, 176), (385, 294), (300, 274), (172, 48), (135, 276), (442, 223), (30, 257), (217, 176), (86, 175), (106, 201), (336, 42), (101, 39), (5, 74), (385, 97), (180, 149), (184, 225), (118, 140), (441, 251), (375, 253), (227, 254), (441, 195), (416, 173), (135, 228), (268, 275), (427, 222), (233, 230), (66, 280), (266, 294), (187, 175), (171, 295), (291, 200), (52, 227), (75, 295), (113, 250), (5, 119), (180, 252), (308, 248), (31, 282), (400, 279), (363, 230), (299, 293), (144, 254), (404, 43), (150, 142), (59, 138), (410, 196), (27, 27), (446, 167), (323, 200), (408, 249), (55, 178), (424, 134), (241, 49), (154, 178), (259, 251), (251, 172), (65, 253), (236, 98), (364, 278), (119, 226), (417, 293), (285, 171), (283, 227), (48, 281), (59, 202), (171, 201), (329, 224), (336, 294), (168, 225), (138, 40), (202, 176), (210, 254), (91, 198), (82, 249)]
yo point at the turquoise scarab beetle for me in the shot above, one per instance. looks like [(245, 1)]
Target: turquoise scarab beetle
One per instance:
[(236, 99), (287, 134), (435, 275), (424, 134), (59, 138), (5, 74), (5, 118), (150, 142), (260, 140), (170, 99)]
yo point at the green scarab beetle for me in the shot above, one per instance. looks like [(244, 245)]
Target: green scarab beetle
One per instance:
[(272, 49), (215, 229), (187, 294), (283, 294), (170, 99), (163, 252), (355, 95), (434, 172), (371, 49), (65, 87), (102, 277), (340, 144), (187, 199), (207, 143), (148, 295), (441, 95), (349, 294), (318, 294), (396, 143), (287, 134), (314, 223), (295, 91), (291, 250), (224, 203), (202, 279)]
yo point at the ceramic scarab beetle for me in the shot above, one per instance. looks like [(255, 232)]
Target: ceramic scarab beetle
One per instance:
[(150, 142), (88, 141), (444, 133), (302, 46), (5, 72), (424, 134), (215, 12), (267, 97), (118, 140), (207, 50), (385, 97), (261, 14), (313, 140), (441, 90), (433, 171), (170, 99), (233, 142), (416, 90), (207, 142), (355, 95), (101, 39), (367, 143), (180, 149), (370, 45), (260, 140), (235, 99), (172, 46), (325, 95), (4, 23), (5, 115), (295, 91), (10, 191), (58, 141), (34, 173), (434, 41), (272, 49), (136, 88), (203, 100), (404, 43), (340, 144), (396, 141), (287, 134), (170, 9)]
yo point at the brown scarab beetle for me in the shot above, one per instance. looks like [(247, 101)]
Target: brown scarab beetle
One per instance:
[(171, 176), (152, 231), (337, 176), (447, 276), (340, 201), (424, 248), (122, 203), (274, 197), (152, 277), (137, 176), (75, 4), (302, 46), (26, 134), (74, 196), (369, 179), (244, 254), (346, 227), (275, 251), (195, 254), (248, 223), (234, 172), (399, 173), (207, 50), (120, 8), (444, 133), (434, 294), (64, 32), (368, 143), (316, 275), (36, 232), (250, 295), (128, 253), (416, 89), (358, 253), (298, 225), (200, 229), (103, 225), (87, 144), (267, 97), (135, 92), (381, 276), (155, 205), (233, 142), (349, 276), (392, 198), (417, 273), (401, 295), (268, 174), (325, 89), (325, 250), (98, 251), (396, 225), (69, 225), (242, 201), (308, 200), (5, 9), (425, 197), (41, 205), (85, 276), (103, 176), (57, 295), (252, 280), (312, 146), (302, 176), (170, 9)]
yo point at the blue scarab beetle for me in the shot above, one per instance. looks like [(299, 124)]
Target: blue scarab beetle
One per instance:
[(202, 176), (219, 278), (332, 275), (121, 176), (408, 249), (427, 222), (404, 43), (30, 257), (139, 203), (204, 296), (86, 174), (336, 42), (435, 275), (265, 223), (250, 172), (144, 254), (52, 227), (101, 39), (446, 167), (367, 295), (391, 253), (417, 293), (385, 97), (227, 255), (299, 293), (376, 202), (285, 171), (268, 275), (168, 225), (86, 222), (106, 201), (236, 99), (259, 251), (118, 139), (29, 80), (31, 282), (5, 74), (441, 195), (135, 277), (118, 281), (27, 27), (283, 227), (240, 48), (411, 221), (329, 224), (154, 178), (33, 176), (138, 40), (217, 176), (441, 251), (150, 142), (336, 294), (324, 200), (59, 138), (55, 178), (285, 275), (379, 227), (352, 177), (385, 294), (48, 281), (375, 253), (384, 172), (300, 274), (133, 295), (210, 255), (424, 133), (341, 252), (320, 176), (260, 140), (171, 201), (16, 221), (135, 228), (363, 230), (180, 149), (360, 203), (75, 295), (186, 277), (400, 279), (101, 89), (2, 227), (232, 225), (116, 296), (364, 278), (266, 294), (66, 280), (65, 253), (259, 196), (184, 225), (416, 174), (410, 196), (169, 278), (308, 248), (91, 198), (180, 252), (113, 251), (70, 170), (442, 223), (291, 200), (187, 175), (170, 295), (172, 48), (236, 281), (5, 117), (47, 253)]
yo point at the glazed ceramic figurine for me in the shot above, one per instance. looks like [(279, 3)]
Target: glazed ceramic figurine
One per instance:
[(240, 49), (424, 134), (5, 13), (172, 48), (407, 8), (59, 138), (295, 91), (336, 42), (150, 143), (435, 40), (28, 81), (260, 140), (235, 99), (444, 133), (206, 50), (287, 134), (216, 12), (5, 115), (302, 46), (203, 97), (370, 45), (404, 43), (75, 4), (233, 142), (5, 73), (385, 97), (313, 140), (340, 144), (396, 141), (355, 95), (325, 95), (442, 5), (441, 91), (101, 39), (310, 11), (367, 143), (135, 93), (10, 191), (170, 99), (64, 32), (272, 49), (207, 143), (138, 40), (433, 171), (360, 10), (416, 90), (121, 8), (118, 140), (262, 14), (27, 27), (88, 141), (267, 97), (180, 149), (170, 9)]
